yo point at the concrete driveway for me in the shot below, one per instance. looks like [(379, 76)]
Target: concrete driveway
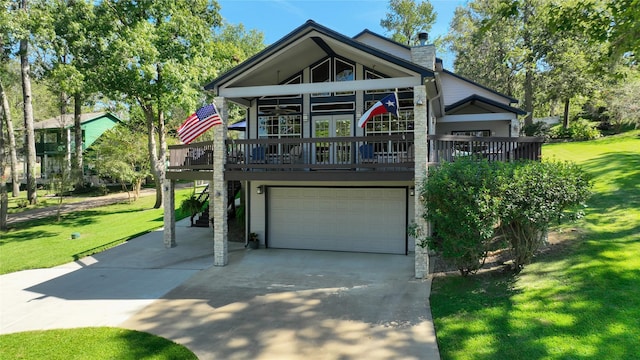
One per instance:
[(266, 304)]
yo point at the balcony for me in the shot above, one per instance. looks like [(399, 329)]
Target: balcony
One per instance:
[(371, 158), (446, 148)]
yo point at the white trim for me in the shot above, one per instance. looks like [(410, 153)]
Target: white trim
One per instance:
[(287, 89), (476, 117)]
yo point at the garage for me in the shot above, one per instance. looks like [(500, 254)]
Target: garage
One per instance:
[(338, 219)]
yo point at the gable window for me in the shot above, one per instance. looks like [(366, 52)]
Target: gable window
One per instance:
[(333, 70), (344, 72), (321, 73)]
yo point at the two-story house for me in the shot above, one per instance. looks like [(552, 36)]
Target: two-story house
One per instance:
[(313, 179), (55, 142)]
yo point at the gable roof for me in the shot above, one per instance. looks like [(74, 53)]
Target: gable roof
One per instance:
[(67, 120), (471, 100), (369, 32), (511, 99), (307, 44)]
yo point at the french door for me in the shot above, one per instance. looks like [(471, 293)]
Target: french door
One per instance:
[(331, 126)]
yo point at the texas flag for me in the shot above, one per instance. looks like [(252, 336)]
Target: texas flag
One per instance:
[(388, 104)]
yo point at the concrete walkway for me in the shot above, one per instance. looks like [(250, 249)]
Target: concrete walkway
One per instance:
[(266, 304), (104, 289)]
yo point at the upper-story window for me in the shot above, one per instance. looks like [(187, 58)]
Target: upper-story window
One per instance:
[(281, 116), (371, 75), (333, 69), (387, 124)]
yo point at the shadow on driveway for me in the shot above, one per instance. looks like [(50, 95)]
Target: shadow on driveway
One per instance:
[(289, 304)]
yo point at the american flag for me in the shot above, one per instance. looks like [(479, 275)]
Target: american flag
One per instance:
[(199, 122)]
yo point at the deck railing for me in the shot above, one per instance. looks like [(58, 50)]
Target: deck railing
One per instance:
[(387, 153), (444, 148)]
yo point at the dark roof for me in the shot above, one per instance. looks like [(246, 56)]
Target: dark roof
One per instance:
[(485, 100), (67, 120), (513, 100), (308, 26)]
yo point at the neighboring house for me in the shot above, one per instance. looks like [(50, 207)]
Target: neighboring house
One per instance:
[(315, 180), (55, 142)]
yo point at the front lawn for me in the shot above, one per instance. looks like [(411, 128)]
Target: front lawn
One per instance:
[(46, 243), (90, 343), (580, 299)]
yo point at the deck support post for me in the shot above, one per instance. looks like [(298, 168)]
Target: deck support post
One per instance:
[(421, 111), (218, 188)]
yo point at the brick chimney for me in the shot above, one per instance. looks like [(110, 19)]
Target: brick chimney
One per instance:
[(424, 54)]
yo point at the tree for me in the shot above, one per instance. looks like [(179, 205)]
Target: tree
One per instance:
[(406, 19), (156, 55), (515, 47), (64, 46), (30, 143), (4, 199), (120, 154), (489, 57), (611, 21), (624, 102), (6, 77)]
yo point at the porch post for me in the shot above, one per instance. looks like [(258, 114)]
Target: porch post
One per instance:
[(169, 235), (218, 188), (420, 116)]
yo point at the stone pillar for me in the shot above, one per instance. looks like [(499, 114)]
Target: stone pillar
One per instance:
[(169, 235), (218, 188), (420, 118)]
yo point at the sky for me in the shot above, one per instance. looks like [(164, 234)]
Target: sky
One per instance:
[(276, 18)]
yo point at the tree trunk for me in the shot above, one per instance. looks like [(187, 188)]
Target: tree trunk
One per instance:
[(30, 143), (77, 168), (4, 199), (12, 142), (528, 96), (158, 173), (565, 117), (529, 66)]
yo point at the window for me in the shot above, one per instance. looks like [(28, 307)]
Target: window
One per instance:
[(370, 75), (333, 70), (321, 73), (344, 72), (279, 126), (387, 124)]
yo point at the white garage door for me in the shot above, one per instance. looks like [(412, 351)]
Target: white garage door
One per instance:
[(340, 219)]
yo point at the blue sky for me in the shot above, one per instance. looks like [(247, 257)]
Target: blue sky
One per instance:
[(276, 18)]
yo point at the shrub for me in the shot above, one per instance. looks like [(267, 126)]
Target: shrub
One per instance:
[(559, 132), (462, 205), (535, 195), (470, 202), (580, 129), (540, 129)]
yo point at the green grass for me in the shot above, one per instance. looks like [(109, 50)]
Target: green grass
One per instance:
[(45, 243), (90, 343), (579, 301)]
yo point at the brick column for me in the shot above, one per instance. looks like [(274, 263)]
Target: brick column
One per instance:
[(218, 188), (169, 235), (420, 119)]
